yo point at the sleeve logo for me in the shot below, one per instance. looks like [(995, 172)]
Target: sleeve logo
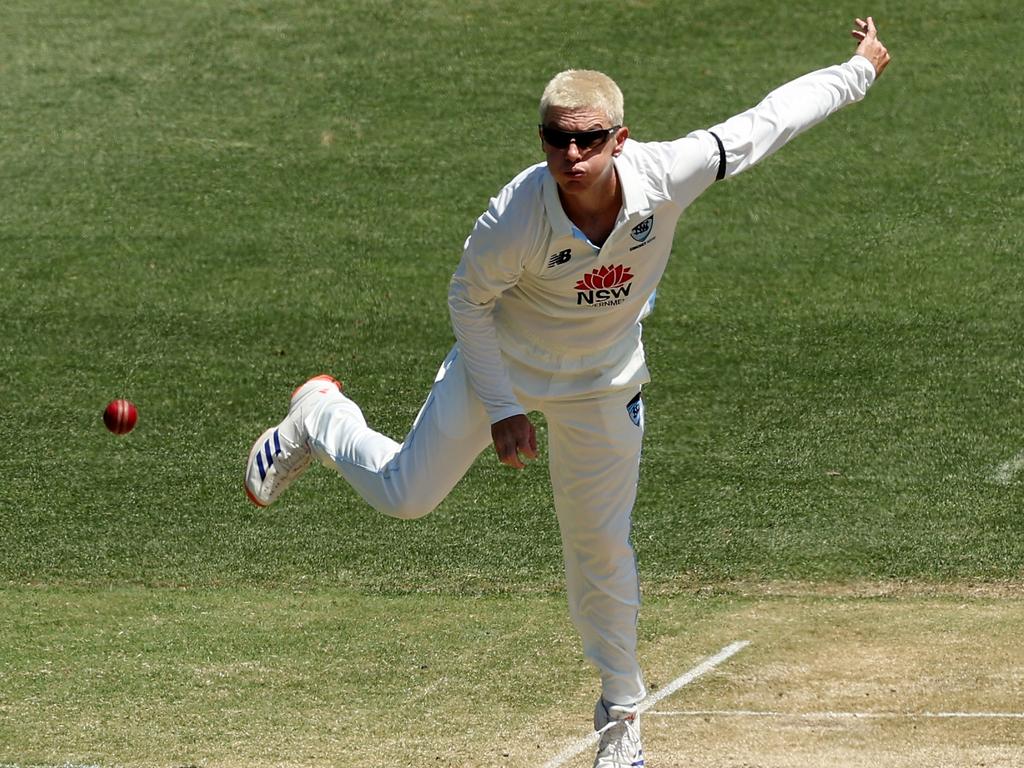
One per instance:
[(635, 409)]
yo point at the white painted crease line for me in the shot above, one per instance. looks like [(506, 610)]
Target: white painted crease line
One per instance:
[(842, 715), (980, 715), (701, 669), (1008, 470)]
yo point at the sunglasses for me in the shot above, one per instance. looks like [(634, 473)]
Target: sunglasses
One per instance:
[(584, 139)]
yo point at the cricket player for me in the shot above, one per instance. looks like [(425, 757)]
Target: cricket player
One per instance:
[(546, 305)]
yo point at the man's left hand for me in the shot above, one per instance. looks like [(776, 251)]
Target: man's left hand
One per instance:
[(871, 47)]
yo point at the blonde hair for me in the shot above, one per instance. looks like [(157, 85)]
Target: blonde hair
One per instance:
[(583, 88)]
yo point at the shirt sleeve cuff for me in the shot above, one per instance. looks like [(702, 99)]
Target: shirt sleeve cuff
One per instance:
[(865, 66), (508, 411)]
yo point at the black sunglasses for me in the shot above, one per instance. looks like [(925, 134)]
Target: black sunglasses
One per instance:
[(584, 139)]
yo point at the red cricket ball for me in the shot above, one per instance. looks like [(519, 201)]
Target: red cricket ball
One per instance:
[(120, 416)]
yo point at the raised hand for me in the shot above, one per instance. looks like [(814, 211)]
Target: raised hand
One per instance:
[(871, 48)]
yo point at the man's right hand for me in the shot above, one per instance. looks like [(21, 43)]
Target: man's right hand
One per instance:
[(513, 436)]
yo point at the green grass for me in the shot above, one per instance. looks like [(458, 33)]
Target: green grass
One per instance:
[(208, 203)]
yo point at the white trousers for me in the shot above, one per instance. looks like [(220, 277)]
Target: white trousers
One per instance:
[(594, 456)]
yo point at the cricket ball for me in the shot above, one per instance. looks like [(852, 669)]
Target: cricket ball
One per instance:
[(120, 416)]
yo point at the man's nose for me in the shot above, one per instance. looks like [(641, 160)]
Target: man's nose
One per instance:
[(572, 152)]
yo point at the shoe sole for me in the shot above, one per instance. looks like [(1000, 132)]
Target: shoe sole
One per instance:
[(257, 446)]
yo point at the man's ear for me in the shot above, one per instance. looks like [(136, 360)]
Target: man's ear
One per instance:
[(620, 140)]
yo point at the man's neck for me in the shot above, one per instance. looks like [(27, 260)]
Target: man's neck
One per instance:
[(595, 211)]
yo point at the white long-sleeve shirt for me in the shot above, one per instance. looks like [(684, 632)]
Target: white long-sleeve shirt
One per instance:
[(537, 309)]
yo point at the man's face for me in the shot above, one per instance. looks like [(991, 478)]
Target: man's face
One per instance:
[(578, 168)]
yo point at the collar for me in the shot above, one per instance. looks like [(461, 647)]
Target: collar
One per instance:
[(634, 200), (553, 206)]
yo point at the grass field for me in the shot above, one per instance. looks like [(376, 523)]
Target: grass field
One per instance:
[(204, 203)]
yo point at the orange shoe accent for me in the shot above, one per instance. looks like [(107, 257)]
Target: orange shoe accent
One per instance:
[(253, 499), (321, 377)]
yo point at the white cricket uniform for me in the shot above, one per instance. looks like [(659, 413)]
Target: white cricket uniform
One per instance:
[(546, 321)]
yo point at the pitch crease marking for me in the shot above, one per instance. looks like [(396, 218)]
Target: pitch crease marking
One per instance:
[(843, 715), (686, 678)]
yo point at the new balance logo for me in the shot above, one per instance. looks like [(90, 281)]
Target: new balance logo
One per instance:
[(262, 465), (560, 258)]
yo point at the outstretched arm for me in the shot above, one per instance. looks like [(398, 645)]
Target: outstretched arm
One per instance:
[(747, 138), (796, 106)]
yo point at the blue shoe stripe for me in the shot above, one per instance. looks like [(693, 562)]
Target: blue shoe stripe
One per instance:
[(264, 464)]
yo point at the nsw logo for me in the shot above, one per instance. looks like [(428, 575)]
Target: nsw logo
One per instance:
[(641, 231), (604, 287)]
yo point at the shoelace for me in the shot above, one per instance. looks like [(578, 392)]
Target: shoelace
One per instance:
[(289, 467), (631, 735)]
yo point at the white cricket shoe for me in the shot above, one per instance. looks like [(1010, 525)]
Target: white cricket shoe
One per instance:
[(282, 453), (620, 736)]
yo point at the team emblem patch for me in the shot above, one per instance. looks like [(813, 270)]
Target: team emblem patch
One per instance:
[(641, 231), (635, 409)]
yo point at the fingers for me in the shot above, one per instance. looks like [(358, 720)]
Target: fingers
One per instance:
[(527, 447), (510, 458), (514, 439), (864, 28), (507, 448)]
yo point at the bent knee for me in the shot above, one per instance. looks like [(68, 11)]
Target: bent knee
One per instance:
[(407, 509)]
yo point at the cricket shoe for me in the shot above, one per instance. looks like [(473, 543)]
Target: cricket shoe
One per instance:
[(282, 453), (619, 728)]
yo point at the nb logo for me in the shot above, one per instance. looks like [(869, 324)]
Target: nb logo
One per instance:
[(560, 258)]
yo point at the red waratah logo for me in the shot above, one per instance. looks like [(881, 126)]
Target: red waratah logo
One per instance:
[(605, 277), (605, 286)]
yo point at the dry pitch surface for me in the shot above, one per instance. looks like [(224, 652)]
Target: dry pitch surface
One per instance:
[(873, 677), (846, 681)]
